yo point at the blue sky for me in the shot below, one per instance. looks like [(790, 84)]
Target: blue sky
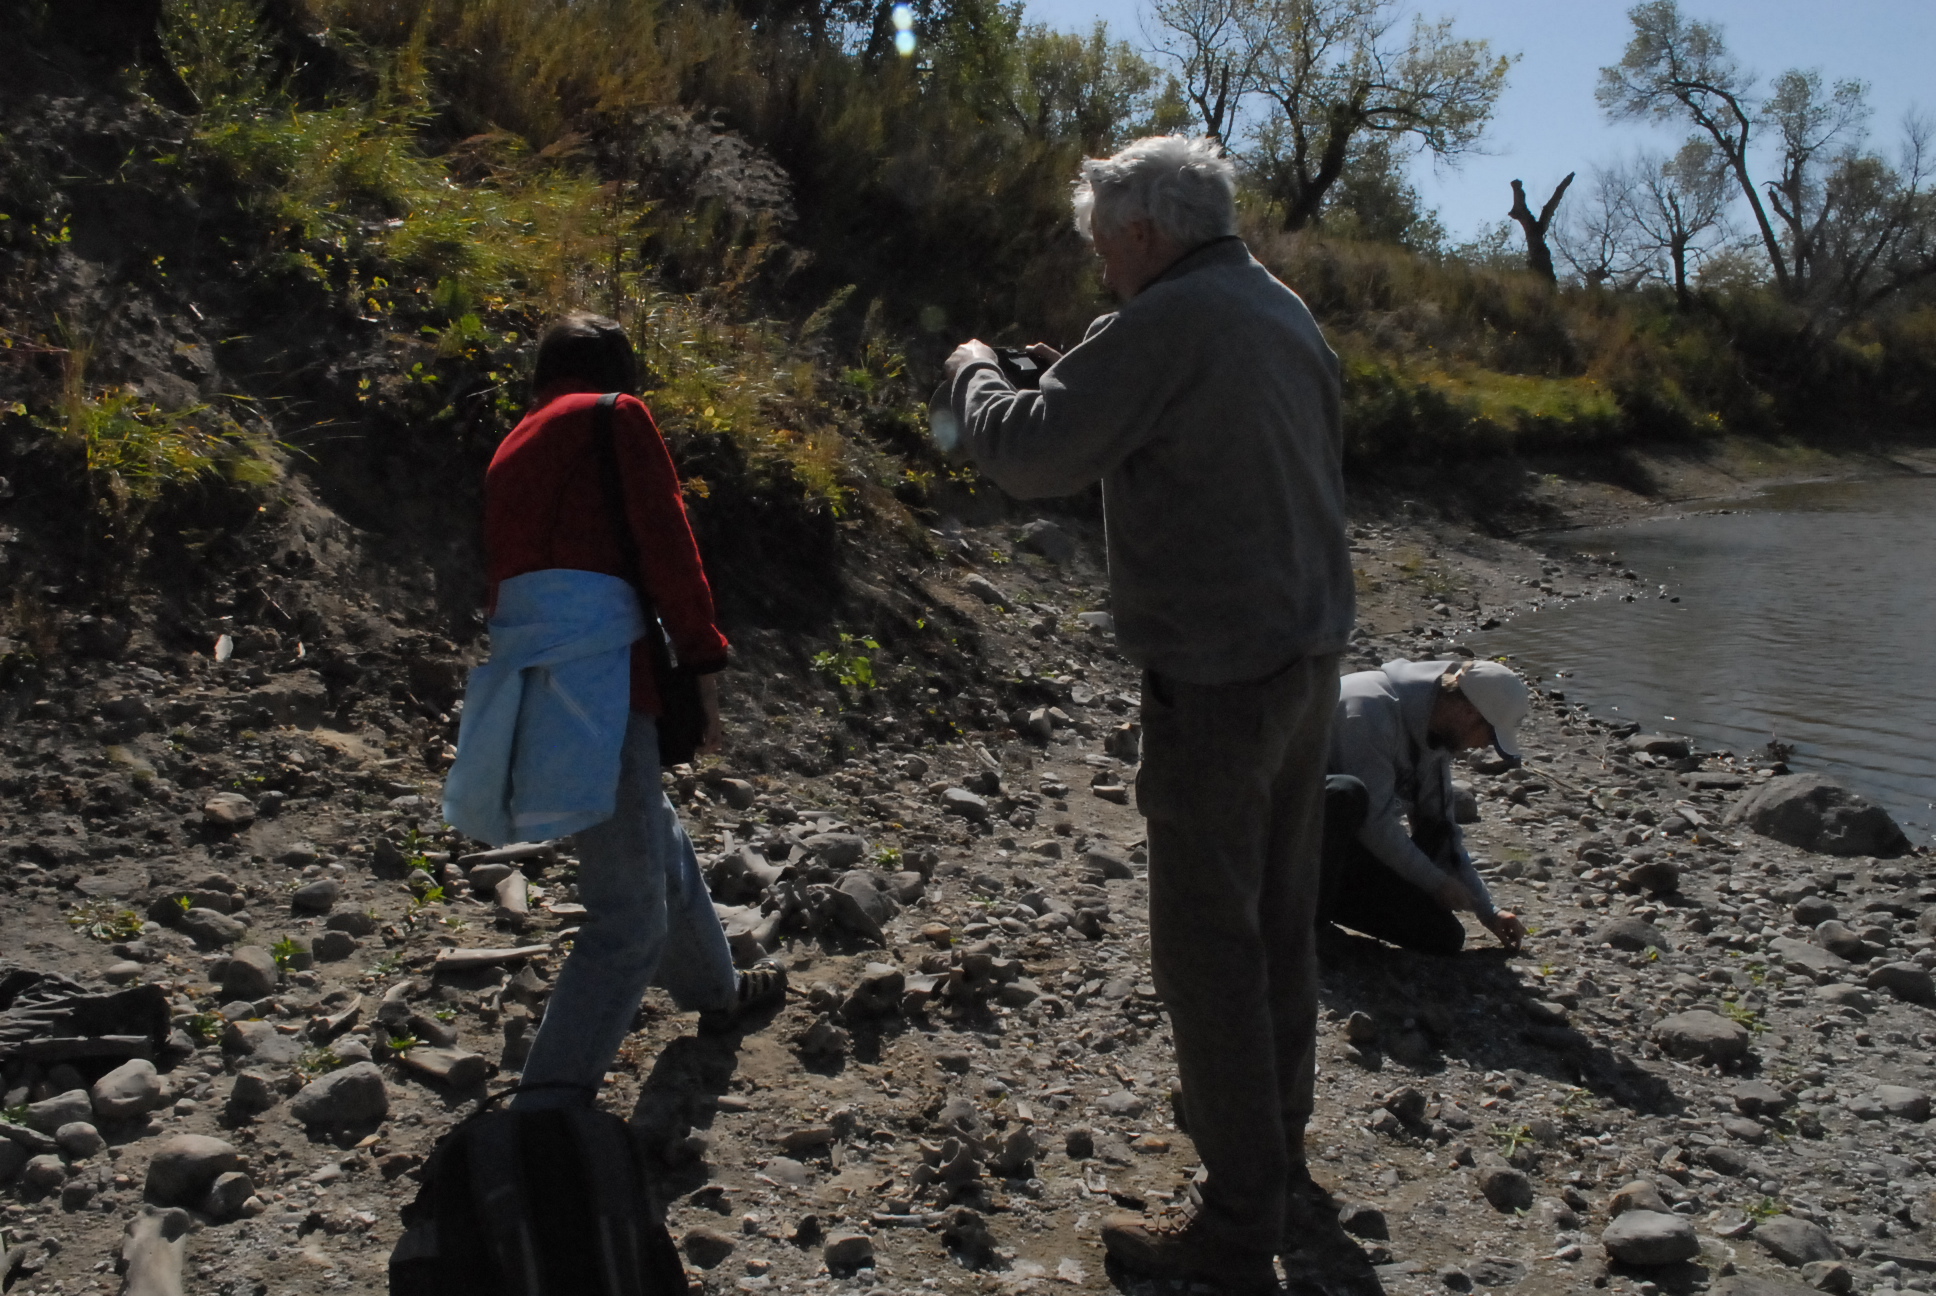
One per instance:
[(1548, 124)]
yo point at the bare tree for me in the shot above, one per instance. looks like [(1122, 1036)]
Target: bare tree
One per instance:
[(1214, 44), (1676, 209), (1539, 257), (1321, 74), (1674, 67)]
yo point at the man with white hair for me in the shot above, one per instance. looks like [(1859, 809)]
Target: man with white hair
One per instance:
[(1208, 406), (1395, 863)]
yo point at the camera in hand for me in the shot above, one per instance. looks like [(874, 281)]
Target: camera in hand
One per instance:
[(1018, 366)]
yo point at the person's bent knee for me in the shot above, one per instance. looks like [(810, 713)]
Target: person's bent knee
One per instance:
[(1346, 804)]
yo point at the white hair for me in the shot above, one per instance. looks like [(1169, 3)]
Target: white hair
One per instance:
[(1183, 186)]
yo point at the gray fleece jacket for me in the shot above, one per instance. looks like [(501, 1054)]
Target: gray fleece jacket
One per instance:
[(1208, 408), (1379, 737)]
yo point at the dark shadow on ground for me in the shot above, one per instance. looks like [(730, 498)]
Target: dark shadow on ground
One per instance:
[(1474, 1007)]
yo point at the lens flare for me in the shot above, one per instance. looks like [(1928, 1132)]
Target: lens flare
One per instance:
[(903, 17), (904, 42)]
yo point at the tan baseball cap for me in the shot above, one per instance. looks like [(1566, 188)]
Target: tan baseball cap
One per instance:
[(1502, 699)]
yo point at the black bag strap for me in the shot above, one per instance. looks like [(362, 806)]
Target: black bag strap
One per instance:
[(613, 480)]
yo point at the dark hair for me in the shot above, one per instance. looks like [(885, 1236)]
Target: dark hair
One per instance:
[(586, 348)]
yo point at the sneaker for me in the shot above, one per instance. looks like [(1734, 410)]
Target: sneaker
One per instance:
[(762, 986), (1318, 1253), (1177, 1249)]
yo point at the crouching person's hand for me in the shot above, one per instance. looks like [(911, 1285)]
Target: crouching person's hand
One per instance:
[(1507, 927), (715, 737), (966, 354)]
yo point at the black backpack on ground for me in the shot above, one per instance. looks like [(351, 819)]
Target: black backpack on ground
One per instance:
[(535, 1203)]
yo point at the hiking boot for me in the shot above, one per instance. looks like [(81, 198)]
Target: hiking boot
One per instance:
[(762, 986), (1318, 1253), (1178, 1249)]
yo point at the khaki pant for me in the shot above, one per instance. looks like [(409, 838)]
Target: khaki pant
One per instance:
[(1232, 785)]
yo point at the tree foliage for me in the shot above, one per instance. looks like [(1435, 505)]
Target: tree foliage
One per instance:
[(1843, 228)]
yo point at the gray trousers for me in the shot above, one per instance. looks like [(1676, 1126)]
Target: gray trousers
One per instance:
[(1232, 786)]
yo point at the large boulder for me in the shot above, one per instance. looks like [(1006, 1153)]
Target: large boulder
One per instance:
[(1818, 814)]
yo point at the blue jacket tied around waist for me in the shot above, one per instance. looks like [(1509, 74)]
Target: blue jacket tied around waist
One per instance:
[(544, 718)]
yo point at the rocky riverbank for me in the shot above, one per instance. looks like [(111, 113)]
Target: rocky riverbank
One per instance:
[(1718, 1038)]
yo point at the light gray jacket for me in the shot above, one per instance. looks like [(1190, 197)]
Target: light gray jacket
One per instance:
[(1379, 737), (1209, 409)]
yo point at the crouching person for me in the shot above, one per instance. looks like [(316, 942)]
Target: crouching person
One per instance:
[(589, 553), (1392, 743)]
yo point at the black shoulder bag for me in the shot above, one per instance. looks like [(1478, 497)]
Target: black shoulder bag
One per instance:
[(682, 722)]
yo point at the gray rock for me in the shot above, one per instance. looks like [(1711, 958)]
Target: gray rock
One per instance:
[(1828, 1276), (1795, 1241), (786, 1170), (1079, 1144), (13, 1159), (261, 1041), (229, 810), (1805, 957), (334, 946), (848, 1251), (837, 850), (44, 1173), (252, 974), (1647, 1238), (737, 793), (1755, 1098), (1813, 911), (131, 1089), (228, 1197), (1702, 1036), (1364, 1221), (351, 1096), (984, 589), (185, 1167), (1669, 746), (1903, 1102), (1633, 934), (1123, 1103), (317, 897), (25, 1136), (1046, 538), (1757, 1285), (79, 1141), (1818, 814), (1465, 802), (960, 801), (253, 1092), (209, 929), (1725, 1160), (1506, 1188), (356, 924), (1905, 981), (706, 1247), (1838, 939), (1638, 1195), (49, 1114)]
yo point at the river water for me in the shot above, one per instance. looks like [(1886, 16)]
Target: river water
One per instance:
[(1806, 615)]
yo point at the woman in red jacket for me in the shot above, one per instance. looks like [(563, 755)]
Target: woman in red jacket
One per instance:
[(548, 505)]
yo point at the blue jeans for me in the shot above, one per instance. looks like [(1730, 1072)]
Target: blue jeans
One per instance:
[(649, 921)]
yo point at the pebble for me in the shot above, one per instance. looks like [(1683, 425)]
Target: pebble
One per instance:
[(1903, 1102), (44, 1173), (1507, 1188), (317, 897), (229, 810)]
